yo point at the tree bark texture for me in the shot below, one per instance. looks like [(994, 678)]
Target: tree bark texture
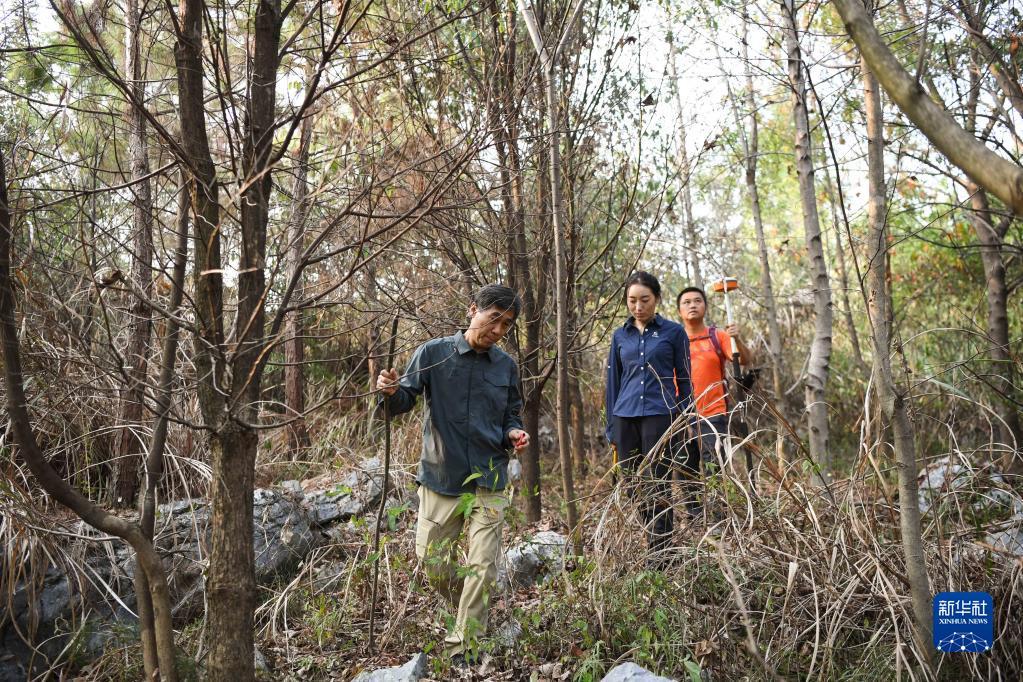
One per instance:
[(819, 363), (50, 481), (893, 400), (997, 175), (513, 199), (231, 582), (129, 447), (207, 273)]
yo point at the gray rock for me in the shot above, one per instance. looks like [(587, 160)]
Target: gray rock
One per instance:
[(35, 612), (630, 672), (294, 488), (1010, 539), (263, 671), (1002, 495), (413, 671), (508, 633), (282, 535), (524, 563), (354, 495), (938, 478), (327, 576)]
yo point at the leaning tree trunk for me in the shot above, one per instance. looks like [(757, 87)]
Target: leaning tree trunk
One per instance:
[(997, 175), (140, 328), (50, 481), (294, 343), (819, 363), (894, 400)]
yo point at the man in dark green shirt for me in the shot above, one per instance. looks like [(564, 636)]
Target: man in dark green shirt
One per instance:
[(473, 417)]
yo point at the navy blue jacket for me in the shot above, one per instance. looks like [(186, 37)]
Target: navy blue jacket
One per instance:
[(644, 369)]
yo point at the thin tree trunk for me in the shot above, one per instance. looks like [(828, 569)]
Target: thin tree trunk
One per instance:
[(843, 279), (522, 280), (548, 62), (994, 173), (294, 343), (532, 465), (893, 401), (561, 302), (140, 328), (818, 366), (50, 481), (154, 459), (579, 449), (230, 582), (990, 236), (692, 249), (751, 149), (372, 361)]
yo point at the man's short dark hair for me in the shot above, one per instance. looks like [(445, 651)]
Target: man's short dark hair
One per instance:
[(499, 296), (689, 290), (645, 279)]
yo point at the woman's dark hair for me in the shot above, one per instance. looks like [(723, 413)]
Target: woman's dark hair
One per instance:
[(644, 279), (497, 295), (689, 290)]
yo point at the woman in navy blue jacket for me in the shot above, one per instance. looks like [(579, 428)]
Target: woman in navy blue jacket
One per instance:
[(647, 387)]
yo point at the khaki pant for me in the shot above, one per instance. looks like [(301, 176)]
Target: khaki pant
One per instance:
[(467, 591)]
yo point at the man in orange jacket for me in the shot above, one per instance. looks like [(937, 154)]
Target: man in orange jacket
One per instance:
[(708, 351)]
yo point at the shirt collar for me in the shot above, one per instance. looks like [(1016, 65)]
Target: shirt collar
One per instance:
[(656, 322), (463, 347)]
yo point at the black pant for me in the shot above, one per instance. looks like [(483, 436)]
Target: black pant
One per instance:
[(634, 438), (703, 445)]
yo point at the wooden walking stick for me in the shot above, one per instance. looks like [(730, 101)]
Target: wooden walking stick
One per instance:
[(383, 491)]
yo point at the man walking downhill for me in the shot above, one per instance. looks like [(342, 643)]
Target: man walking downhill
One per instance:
[(473, 417), (708, 360)]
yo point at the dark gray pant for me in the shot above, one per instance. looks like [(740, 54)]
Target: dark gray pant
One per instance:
[(700, 455), (634, 437)]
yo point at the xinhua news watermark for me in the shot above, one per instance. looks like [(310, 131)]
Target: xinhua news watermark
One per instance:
[(964, 622)]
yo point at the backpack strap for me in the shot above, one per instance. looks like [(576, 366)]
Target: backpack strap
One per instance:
[(713, 333)]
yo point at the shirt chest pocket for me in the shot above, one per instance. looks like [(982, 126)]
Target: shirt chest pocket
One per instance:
[(495, 392)]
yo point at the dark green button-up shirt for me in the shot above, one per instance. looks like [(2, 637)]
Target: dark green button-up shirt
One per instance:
[(472, 402)]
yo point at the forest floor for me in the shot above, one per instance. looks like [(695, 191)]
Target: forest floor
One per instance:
[(796, 581)]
